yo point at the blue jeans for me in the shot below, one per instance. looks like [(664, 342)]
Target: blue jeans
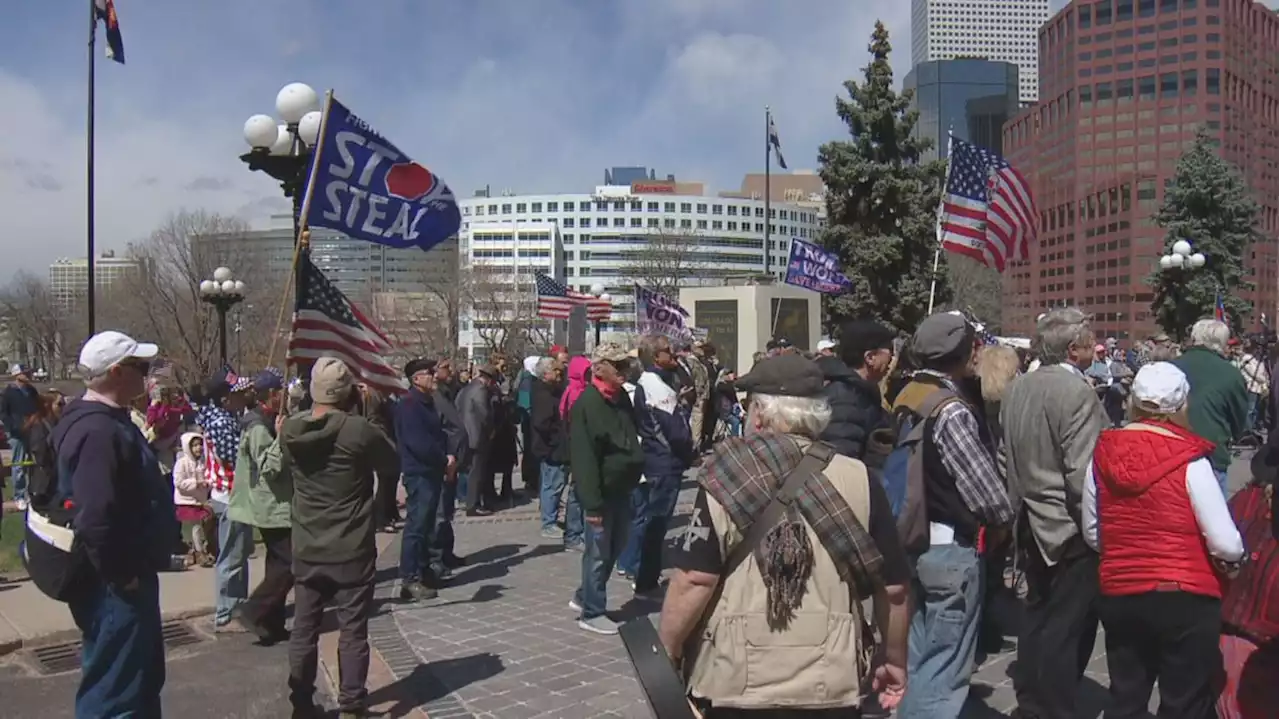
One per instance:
[(629, 559), (735, 425), (422, 509), (661, 504), (19, 449), (573, 522), (944, 632), (123, 654), (1221, 474), (550, 485), (442, 536), (1255, 411), (604, 543), (231, 571), (463, 476)]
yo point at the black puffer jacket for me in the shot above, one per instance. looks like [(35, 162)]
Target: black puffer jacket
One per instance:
[(855, 408)]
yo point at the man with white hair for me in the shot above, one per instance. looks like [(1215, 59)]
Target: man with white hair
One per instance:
[(1051, 420), (786, 540), (1219, 403), (123, 521)]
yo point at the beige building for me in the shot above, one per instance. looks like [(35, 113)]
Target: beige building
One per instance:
[(69, 277), (802, 187)]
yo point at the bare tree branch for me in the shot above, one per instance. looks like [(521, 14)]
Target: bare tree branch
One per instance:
[(670, 260), (502, 315), (49, 331), (975, 287)]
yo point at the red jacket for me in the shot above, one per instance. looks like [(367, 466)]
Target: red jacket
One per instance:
[(1148, 533)]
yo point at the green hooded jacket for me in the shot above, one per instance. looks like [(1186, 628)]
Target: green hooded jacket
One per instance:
[(604, 449), (1219, 403), (261, 494)]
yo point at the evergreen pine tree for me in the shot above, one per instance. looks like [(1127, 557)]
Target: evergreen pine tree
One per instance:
[(1210, 206), (882, 201)]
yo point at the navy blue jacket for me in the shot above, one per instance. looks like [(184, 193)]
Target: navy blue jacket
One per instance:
[(666, 438), (16, 404), (420, 434), (123, 506)]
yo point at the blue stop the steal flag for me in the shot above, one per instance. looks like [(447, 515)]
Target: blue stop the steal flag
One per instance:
[(367, 189)]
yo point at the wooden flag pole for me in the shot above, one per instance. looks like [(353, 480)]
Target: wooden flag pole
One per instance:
[(304, 232)]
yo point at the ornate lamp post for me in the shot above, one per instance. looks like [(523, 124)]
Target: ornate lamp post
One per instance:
[(597, 290), (223, 292), (283, 149), (1182, 257)]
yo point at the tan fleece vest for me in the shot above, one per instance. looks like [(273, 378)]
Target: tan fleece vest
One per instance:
[(737, 660)]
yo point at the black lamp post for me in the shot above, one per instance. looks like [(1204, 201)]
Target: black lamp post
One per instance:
[(1182, 257), (223, 292), (597, 290)]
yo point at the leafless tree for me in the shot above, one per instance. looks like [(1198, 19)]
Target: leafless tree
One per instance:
[(43, 329), (503, 316), (164, 303), (671, 259), (975, 287), (420, 324)]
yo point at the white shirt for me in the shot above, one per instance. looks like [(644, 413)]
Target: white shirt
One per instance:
[(1210, 508)]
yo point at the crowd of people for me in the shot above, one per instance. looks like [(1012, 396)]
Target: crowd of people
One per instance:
[(910, 473)]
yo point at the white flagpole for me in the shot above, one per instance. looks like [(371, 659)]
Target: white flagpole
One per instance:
[(937, 250)]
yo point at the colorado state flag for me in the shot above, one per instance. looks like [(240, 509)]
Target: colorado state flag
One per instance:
[(106, 11)]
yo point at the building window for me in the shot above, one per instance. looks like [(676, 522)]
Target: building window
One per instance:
[(717, 225), (584, 222), (668, 207), (1124, 10), (553, 207), (1104, 92), (602, 205), (1102, 13), (733, 226), (686, 224), (717, 209), (480, 210), (567, 222), (635, 222), (702, 224), (651, 207), (1170, 6), (653, 222), (1086, 96), (1169, 42), (686, 207), (506, 209), (1146, 8), (1124, 91), (619, 205), (636, 205), (584, 206), (702, 208), (619, 222), (1146, 46), (521, 208), (733, 210), (1085, 18), (1213, 81), (536, 207), (669, 223)]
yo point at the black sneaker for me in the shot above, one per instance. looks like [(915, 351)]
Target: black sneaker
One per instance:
[(453, 561), (416, 592)]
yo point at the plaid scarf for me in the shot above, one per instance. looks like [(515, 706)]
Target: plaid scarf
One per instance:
[(744, 473)]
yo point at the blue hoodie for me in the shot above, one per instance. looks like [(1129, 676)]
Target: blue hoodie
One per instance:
[(123, 507), (663, 424)]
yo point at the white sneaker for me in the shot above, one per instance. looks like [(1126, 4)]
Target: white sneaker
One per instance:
[(599, 625), (573, 604)]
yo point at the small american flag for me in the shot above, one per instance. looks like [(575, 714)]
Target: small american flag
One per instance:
[(327, 324), (556, 301), (1219, 309), (987, 210)]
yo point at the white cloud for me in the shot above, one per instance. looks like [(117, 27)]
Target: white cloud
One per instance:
[(525, 114)]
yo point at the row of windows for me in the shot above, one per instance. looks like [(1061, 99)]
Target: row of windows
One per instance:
[(1102, 13), (1169, 84), (1148, 62), (700, 208), (1148, 46)]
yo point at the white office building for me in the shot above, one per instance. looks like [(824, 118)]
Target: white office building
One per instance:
[(999, 30), (614, 237), (69, 277)]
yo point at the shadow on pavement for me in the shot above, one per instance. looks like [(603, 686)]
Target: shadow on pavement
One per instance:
[(434, 680), (495, 562)]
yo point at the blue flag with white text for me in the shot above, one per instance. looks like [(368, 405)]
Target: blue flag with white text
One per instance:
[(813, 268), (367, 189)]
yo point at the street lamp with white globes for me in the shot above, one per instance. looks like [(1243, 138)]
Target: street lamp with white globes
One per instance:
[(223, 292), (282, 149), (597, 290), (1182, 256)]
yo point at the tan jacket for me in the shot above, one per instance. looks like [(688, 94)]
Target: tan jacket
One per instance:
[(817, 661)]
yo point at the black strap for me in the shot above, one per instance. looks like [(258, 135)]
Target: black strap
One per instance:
[(815, 460)]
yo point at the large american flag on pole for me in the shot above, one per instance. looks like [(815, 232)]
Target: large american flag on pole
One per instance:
[(327, 324), (556, 301), (987, 210)]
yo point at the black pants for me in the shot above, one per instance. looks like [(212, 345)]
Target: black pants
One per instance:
[(1170, 636), (480, 479), (265, 608), (385, 509), (833, 713), (1059, 628), (348, 587), (530, 470)]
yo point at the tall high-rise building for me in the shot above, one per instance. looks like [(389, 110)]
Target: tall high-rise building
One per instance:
[(968, 99), (999, 30), (69, 278), (1126, 84)]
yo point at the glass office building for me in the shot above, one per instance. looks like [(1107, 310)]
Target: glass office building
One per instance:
[(970, 98)]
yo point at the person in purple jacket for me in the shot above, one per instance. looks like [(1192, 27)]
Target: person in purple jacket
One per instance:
[(123, 517)]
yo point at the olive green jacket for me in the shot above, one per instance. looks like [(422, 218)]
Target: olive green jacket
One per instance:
[(261, 495)]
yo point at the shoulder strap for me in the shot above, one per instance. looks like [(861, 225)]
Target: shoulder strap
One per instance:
[(936, 401), (815, 460)]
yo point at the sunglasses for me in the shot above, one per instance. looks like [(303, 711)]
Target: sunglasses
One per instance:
[(141, 366)]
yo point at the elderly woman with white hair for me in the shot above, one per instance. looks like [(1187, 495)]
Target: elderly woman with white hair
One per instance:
[(786, 540), (1167, 544), (1219, 402)]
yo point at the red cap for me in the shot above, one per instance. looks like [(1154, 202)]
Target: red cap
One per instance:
[(1233, 341), (557, 349)]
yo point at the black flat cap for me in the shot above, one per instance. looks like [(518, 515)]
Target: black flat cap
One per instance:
[(786, 375)]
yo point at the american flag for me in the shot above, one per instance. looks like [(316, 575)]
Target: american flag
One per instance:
[(327, 324), (1219, 309), (556, 301), (987, 210)]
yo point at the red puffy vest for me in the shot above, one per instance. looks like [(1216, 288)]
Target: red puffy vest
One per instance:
[(1147, 529), (1252, 601)]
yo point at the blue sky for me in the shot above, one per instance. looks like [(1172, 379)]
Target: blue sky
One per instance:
[(531, 95)]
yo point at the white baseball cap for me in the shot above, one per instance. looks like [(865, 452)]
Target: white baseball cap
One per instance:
[(1161, 387), (826, 345), (108, 349)]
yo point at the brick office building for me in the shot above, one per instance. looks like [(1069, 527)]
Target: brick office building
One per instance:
[(1124, 85)]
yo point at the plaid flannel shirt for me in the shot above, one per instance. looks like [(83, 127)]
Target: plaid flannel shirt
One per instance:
[(744, 474)]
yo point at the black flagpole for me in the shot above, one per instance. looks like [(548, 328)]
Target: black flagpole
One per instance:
[(93, 38), (767, 159)]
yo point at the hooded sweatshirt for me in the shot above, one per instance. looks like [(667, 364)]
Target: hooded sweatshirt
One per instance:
[(123, 509), (327, 459), (856, 408), (578, 369), (1148, 530), (190, 486)]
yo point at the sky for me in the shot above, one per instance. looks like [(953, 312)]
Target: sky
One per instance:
[(531, 96)]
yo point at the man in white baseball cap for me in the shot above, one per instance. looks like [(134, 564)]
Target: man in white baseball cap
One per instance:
[(826, 348), (123, 518)]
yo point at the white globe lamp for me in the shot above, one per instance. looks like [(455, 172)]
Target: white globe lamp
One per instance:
[(229, 287), (295, 100), (284, 141), (1182, 247), (239, 287), (1176, 260), (260, 132), (222, 274), (1166, 262), (309, 127), (597, 289), (208, 287), (1197, 260), (606, 297)]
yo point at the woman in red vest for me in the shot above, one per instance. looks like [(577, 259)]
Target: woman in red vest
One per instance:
[(1153, 510)]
